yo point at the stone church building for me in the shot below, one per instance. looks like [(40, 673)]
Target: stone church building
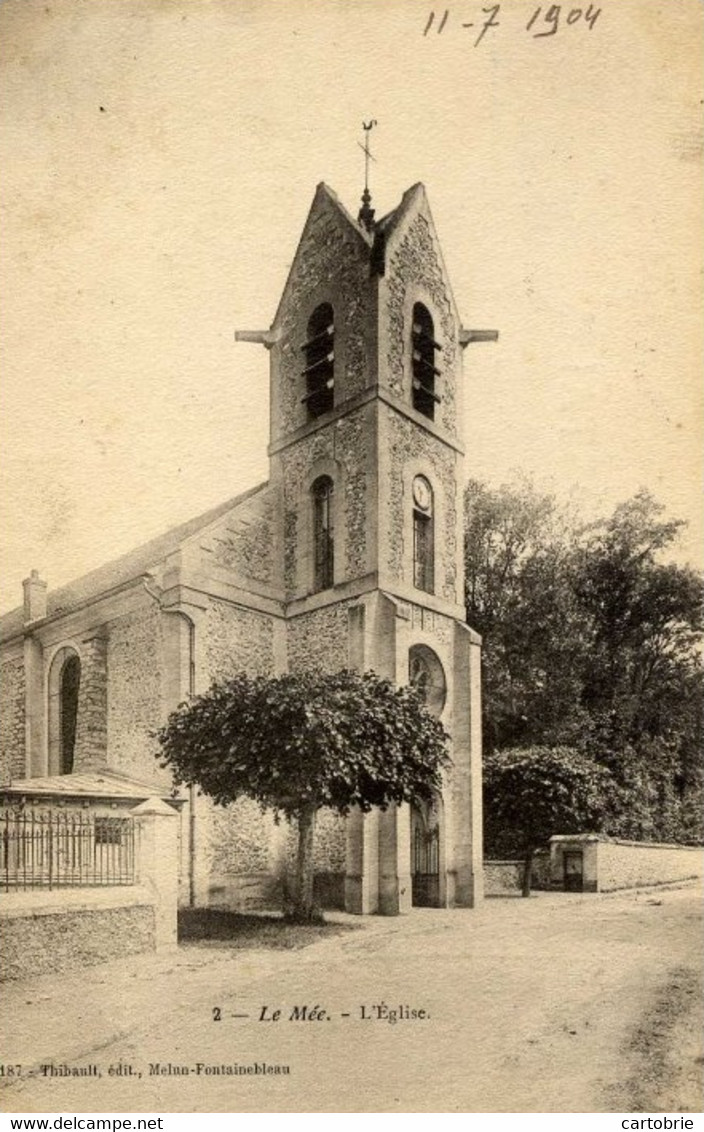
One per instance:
[(349, 556)]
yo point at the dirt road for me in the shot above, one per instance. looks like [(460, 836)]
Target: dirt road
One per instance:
[(556, 1004)]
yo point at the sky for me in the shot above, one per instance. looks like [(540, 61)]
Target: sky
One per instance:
[(160, 157)]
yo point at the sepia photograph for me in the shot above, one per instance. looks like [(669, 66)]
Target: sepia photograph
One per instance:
[(351, 668)]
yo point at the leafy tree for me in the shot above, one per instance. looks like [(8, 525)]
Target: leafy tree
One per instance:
[(592, 641), (532, 793), (296, 743), (642, 678), (519, 596)]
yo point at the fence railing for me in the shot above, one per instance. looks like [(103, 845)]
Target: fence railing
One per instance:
[(50, 849)]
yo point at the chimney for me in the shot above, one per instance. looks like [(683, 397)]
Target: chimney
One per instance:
[(34, 597)]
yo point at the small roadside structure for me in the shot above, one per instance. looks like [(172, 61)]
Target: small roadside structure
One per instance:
[(590, 862), (531, 791)]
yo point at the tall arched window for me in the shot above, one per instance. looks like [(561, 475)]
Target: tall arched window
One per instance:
[(64, 686), (423, 349), (70, 683), (319, 352), (323, 534), (423, 536)]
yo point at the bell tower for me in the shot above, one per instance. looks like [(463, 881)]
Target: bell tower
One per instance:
[(366, 454)]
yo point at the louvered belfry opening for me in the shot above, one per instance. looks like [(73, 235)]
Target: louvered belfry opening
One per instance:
[(319, 371), (425, 371)]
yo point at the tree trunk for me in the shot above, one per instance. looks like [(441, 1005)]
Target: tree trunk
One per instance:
[(527, 871), (303, 910)]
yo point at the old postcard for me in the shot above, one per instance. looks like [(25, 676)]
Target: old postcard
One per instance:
[(350, 630)]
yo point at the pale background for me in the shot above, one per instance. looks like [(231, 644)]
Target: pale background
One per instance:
[(563, 174)]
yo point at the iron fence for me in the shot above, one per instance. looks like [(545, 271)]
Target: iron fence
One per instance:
[(49, 849)]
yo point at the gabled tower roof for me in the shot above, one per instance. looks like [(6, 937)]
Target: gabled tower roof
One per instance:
[(325, 200), (376, 241)]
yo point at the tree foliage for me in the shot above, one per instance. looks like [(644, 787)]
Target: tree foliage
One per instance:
[(592, 641), (299, 742), (531, 793)]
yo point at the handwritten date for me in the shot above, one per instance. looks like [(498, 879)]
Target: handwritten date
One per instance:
[(545, 20)]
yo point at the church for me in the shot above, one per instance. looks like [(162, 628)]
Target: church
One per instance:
[(349, 556)]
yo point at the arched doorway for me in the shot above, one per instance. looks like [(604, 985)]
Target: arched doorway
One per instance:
[(425, 673), (425, 855)]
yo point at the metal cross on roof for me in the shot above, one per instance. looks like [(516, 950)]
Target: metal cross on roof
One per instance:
[(366, 214), (368, 155)]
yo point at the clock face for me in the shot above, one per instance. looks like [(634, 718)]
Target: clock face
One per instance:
[(422, 495)]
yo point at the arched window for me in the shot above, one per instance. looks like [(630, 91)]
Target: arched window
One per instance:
[(423, 349), (64, 685), (319, 353), (423, 536), (323, 534), (425, 673), (70, 683)]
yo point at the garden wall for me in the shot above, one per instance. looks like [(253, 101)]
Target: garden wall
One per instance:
[(631, 864), (46, 932), (503, 878)]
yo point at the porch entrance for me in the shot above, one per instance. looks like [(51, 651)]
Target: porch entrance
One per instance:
[(425, 858)]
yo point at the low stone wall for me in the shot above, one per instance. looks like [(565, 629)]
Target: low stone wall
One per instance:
[(501, 878), (47, 932), (635, 864)]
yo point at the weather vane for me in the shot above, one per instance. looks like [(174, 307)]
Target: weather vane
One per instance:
[(366, 214)]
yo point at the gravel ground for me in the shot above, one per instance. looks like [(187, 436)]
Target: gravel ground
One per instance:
[(561, 1003)]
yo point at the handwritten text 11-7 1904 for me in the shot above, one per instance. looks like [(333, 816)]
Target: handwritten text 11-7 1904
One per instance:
[(544, 21)]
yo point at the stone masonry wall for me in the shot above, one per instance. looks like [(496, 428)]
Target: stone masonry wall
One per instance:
[(330, 842), (318, 641), (237, 840), (244, 541), (347, 444), (91, 746), (631, 864), (329, 858), (329, 846), (237, 640), (134, 692), (503, 878), (416, 263), (408, 442), (331, 265), (240, 838), (352, 437), (12, 728), (238, 851), (54, 941)]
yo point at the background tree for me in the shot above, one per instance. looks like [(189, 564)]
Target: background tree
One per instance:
[(592, 641), (642, 673), (531, 793), (296, 743), (520, 597)]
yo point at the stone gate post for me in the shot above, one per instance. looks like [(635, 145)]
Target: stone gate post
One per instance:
[(156, 864)]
